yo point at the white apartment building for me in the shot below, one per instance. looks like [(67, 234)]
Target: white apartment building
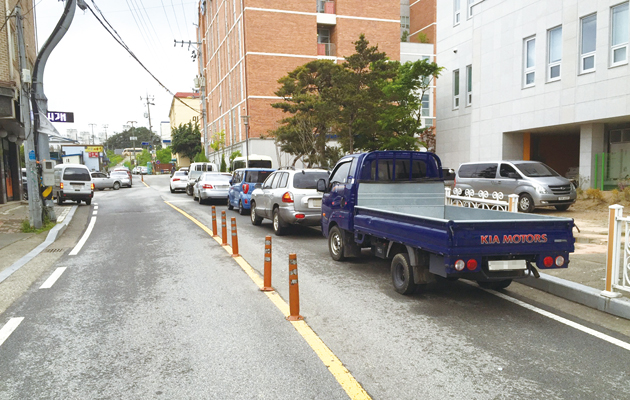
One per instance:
[(544, 80)]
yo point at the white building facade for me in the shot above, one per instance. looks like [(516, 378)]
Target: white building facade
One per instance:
[(545, 80)]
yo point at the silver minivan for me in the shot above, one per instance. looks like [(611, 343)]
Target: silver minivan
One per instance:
[(536, 184)]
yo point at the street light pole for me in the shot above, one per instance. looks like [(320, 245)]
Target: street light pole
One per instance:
[(133, 139), (246, 122)]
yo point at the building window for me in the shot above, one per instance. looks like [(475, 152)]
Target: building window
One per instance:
[(456, 89), (619, 34), (588, 32), (468, 85), (554, 39), (471, 3), (404, 21), (426, 104), (529, 66), (457, 12)]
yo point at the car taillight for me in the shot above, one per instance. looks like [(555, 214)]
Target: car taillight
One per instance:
[(471, 264), (61, 185), (459, 265), (559, 261), (548, 262), (207, 186), (92, 185), (300, 216), (287, 197), (245, 188), (175, 179)]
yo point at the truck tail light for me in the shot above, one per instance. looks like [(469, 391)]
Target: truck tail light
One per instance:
[(245, 188), (471, 264), (548, 261), (300, 216), (207, 186), (60, 185), (559, 261), (287, 197), (92, 185), (459, 265)]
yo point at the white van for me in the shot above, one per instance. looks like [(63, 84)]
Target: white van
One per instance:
[(195, 170), (73, 182)]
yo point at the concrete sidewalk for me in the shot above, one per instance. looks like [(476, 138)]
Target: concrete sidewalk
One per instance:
[(582, 282)]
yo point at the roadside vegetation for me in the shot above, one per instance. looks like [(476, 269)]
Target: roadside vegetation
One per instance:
[(47, 225)]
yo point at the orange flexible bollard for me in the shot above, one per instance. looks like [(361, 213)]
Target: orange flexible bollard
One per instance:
[(267, 278), (223, 229), (294, 290), (234, 239), (214, 222)]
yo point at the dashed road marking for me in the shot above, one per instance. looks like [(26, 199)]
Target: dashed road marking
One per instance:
[(53, 278), (8, 328), (85, 237)]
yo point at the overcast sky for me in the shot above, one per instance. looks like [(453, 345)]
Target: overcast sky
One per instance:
[(90, 74)]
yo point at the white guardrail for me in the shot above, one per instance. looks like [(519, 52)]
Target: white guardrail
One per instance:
[(617, 265), (454, 198)]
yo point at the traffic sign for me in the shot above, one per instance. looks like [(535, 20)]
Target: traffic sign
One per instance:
[(133, 138), (145, 143), (157, 162)]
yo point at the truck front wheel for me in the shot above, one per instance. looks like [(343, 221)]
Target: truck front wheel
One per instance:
[(402, 274), (335, 244)]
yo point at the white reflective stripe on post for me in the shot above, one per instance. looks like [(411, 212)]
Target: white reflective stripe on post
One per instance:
[(612, 255), (513, 203)]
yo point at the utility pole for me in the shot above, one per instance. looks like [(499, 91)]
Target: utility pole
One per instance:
[(92, 126), (105, 126), (148, 114), (133, 139)]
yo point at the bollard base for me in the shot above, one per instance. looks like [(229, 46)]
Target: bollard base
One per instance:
[(610, 295), (295, 318), (236, 255), (267, 289)]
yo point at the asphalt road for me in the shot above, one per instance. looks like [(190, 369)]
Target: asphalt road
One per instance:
[(152, 307)]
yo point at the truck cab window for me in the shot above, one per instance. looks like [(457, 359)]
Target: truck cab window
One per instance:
[(340, 175)]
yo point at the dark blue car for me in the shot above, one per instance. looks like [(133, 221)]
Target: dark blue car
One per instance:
[(244, 181)]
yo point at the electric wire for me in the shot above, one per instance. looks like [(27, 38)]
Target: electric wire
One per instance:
[(149, 19), (124, 45), (136, 21), (144, 24), (176, 22), (167, 19)]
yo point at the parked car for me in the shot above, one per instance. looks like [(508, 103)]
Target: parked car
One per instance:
[(121, 176), (211, 186), (103, 181), (179, 181), (24, 187), (194, 172), (242, 184), (134, 171), (536, 184), (143, 170), (289, 197), (125, 169), (73, 182)]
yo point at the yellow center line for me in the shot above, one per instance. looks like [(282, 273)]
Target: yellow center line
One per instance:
[(353, 389), (145, 184)]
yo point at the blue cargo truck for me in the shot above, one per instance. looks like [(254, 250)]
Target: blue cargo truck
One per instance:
[(393, 203)]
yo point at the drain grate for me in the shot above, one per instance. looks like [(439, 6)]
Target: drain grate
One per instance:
[(54, 250)]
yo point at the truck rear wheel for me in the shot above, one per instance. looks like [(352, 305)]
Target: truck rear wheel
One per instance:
[(335, 244), (402, 274), (495, 285)]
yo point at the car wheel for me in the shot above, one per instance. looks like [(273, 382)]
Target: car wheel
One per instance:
[(116, 185), (256, 220), (279, 227), (525, 203), (200, 200), (194, 197), (101, 189), (495, 285), (335, 244), (88, 201), (402, 274), (229, 204), (189, 190), (172, 191), (241, 209), (59, 199), (78, 202), (563, 207)]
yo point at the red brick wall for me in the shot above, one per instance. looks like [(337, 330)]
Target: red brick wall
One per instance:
[(423, 15)]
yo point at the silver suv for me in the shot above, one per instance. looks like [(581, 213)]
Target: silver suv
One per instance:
[(536, 184), (289, 197)]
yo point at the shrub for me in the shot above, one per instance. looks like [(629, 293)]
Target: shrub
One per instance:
[(626, 193), (595, 194), (615, 196)]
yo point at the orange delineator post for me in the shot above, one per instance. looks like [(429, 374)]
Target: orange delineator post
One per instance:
[(214, 221), (223, 229), (294, 290), (234, 239), (267, 278)]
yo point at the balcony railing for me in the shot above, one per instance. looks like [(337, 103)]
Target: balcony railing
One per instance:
[(326, 7), (326, 49)]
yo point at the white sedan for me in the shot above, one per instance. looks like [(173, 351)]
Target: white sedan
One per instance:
[(179, 181), (212, 186)]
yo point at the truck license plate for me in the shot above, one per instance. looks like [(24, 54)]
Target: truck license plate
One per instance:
[(506, 265), (563, 198)]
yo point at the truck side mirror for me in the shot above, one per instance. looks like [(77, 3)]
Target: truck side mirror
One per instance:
[(321, 185)]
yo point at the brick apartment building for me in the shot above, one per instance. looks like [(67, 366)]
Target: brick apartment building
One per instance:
[(247, 45), (11, 130)]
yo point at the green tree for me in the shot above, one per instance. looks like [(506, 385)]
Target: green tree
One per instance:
[(200, 157), (164, 155), (223, 164), (186, 140), (121, 140), (143, 158)]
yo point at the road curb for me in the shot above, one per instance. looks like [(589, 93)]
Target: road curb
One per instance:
[(581, 294)]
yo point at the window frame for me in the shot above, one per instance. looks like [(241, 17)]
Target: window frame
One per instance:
[(457, 12), (529, 70), (593, 53), (614, 47), (456, 89), (468, 85), (469, 8), (552, 64)]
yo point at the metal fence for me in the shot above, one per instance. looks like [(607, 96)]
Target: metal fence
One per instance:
[(454, 198), (618, 255)]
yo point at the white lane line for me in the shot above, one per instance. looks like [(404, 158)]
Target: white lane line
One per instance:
[(95, 212), (95, 206), (53, 278), (8, 328), (79, 245), (562, 320)]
